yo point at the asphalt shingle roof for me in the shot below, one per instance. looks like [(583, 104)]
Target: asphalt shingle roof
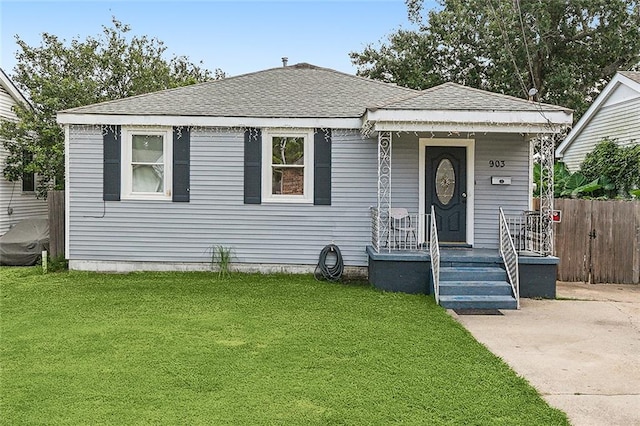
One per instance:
[(296, 91), (306, 91), (452, 96), (633, 75)]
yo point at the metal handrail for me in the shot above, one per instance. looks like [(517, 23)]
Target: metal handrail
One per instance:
[(509, 257), (434, 250)]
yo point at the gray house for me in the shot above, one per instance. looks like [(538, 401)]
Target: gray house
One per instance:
[(279, 163), (614, 114)]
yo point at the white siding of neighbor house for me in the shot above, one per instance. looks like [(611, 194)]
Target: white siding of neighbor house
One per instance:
[(145, 231), (6, 102), (22, 205), (618, 120), (514, 198), (216, 214)]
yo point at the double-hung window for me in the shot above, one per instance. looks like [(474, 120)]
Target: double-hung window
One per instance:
[(146, 168), (287, 166)]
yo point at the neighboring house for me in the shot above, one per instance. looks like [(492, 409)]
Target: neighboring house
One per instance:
[(279, 163), (17, 199), (615, 114)]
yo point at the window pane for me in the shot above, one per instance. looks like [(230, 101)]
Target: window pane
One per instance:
[(445, 181), (147, 149), (287, 180), (288, 150), (148, 178), (28, 182), (28, 179)]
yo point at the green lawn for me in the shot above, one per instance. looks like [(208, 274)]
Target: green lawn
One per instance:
[(189, 348)]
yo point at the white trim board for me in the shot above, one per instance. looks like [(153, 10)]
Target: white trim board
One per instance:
[(161, 120), (470, 145)]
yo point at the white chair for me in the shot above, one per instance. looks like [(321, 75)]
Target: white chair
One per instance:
[(401, 226)]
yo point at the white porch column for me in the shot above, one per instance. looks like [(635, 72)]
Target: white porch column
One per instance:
[(546, 192), (384, 189)]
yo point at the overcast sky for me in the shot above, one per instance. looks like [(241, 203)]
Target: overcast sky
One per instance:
[(237, 36)]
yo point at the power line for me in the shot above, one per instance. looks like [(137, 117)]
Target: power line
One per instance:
[(526, 46), (509, 50)]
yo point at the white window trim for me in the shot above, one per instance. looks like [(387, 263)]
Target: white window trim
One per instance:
[(126, 185), (267, 137)]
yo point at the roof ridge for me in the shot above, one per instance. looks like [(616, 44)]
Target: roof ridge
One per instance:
[(300, 65)]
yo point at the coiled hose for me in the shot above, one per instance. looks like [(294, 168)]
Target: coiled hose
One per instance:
[(330, 273)]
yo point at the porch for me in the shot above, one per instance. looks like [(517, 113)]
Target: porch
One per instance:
[(409, 271), (442, 231), (453, 216)]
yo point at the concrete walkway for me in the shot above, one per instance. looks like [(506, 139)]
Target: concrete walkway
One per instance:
[(581, 352)]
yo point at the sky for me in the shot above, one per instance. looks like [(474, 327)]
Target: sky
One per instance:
[(235, 36)]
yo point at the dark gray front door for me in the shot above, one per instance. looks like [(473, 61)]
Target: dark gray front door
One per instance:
[(446, 187)]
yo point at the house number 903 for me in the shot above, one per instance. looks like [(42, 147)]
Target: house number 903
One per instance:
[(496, 163)]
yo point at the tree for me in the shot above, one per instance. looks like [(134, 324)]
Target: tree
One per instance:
[(618, 166), (566, 50), (57, 75)]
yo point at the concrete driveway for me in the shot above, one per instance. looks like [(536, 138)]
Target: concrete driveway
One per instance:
[(581, 352)]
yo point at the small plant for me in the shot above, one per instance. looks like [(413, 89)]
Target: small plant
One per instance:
[(221, 259), (58, 264), (53, 264)]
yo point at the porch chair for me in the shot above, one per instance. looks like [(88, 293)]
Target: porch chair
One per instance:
[(402, 226)]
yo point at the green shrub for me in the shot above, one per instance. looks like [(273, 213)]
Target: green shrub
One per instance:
[(616, 167)]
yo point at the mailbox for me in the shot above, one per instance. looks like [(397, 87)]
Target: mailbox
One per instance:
[(500, 180)]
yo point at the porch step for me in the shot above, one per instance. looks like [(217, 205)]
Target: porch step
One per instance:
[(478, 302), (472, 273), (479, 285), (475, 288)]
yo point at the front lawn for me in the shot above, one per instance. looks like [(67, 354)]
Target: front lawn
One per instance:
[(189, 348)]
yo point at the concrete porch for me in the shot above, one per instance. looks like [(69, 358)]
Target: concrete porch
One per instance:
[(409, 271)]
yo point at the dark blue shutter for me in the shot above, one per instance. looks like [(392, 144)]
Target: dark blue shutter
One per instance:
[(181, 157), (322, 167), (252, 166), (111, 169)]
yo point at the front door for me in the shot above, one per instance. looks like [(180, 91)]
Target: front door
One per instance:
[(445, 189)]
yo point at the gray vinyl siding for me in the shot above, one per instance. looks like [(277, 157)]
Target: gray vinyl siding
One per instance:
[(216, 214), (23, 205), (405, 172), (514, 198), (618, 121), (163, 231)]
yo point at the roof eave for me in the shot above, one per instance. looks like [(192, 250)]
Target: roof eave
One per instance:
[(209, 121), (616, 81), (13, 91), (471, 120)]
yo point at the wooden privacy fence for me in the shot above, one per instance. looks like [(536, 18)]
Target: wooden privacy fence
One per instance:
[(598, 241), (55, 201)]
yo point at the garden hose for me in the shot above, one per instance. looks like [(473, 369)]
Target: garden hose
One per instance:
[(330, 273)]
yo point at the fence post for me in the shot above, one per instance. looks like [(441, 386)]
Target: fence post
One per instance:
[(55, 202)]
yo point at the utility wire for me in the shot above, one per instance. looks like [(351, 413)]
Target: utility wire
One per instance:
[(508, 46), (526, 46)]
